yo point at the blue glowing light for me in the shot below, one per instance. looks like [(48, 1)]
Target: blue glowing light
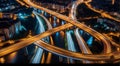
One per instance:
[(54, 24), (37, 57), (106, 28), (0, 9), (70, 42), (57, 34), (22, 27), (6, 8), (63, 22), (95, 26), (90, 40), (16, 29), (81, 32), (54, 18), (45, 13), (22, 15)]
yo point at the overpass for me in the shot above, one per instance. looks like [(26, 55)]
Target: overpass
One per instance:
[(94, 33), (59, 51), (103, 13)]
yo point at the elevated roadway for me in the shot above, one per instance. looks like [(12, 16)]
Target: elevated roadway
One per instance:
[(59, 51), (100, 37)]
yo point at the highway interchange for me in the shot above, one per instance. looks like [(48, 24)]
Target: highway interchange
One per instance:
[(71, 21)]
